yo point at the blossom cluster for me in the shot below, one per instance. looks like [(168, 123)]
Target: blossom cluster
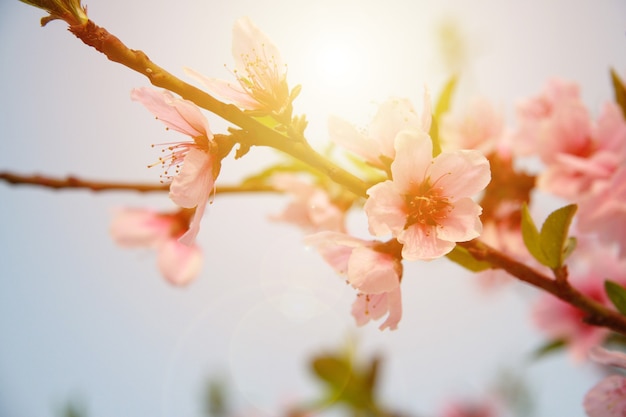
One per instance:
[(432, 181)]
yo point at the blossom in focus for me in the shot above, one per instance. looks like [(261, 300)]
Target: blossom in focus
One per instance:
[(261, 74), (608, 397), (373, 268), (195, 163), (179, 263), (376, 145), (312, 208), (427, 205), (480, 128)]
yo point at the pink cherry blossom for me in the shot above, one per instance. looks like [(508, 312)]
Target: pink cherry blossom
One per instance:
[(373, 268), (179, 263), (480, 128), (261, 75), (556, 121), (312, 208), (195, 162), (427, 205), (376, 145), (608, 397), (603, 211), (572, 175)]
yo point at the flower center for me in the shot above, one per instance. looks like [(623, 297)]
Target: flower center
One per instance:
[(264, 80), (426, 205)]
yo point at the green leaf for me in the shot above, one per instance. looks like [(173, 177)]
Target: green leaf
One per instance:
[(550, 347), (531, 237), (617, 295), (550, 246), (619, 90), (442, 107), (461, 256), (333, 370), (554, 233)]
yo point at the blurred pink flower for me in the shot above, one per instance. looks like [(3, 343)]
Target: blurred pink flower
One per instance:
[(376, 146), (427, 205), (373, 268), (554, 122), (261, 75), (590, 266), (572, 175), (603, 211), (459, 409), (481, 128), (312, 208), (179, 263), (195, 163), (608, 397)]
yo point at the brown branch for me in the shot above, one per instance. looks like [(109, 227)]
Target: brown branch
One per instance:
[(258, 134), (595, 313), (72, 182)]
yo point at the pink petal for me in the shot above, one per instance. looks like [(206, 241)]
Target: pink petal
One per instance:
[(372, 272), (413, 159), (178, 114), (179, 263), (385, 209), (229, 90), (421, 243), (348, 137), (336, 248), (194, 183), (189, 237), (393, 116), (394, 308), (460, 173), (463, 222), (249, 40), (607, 357), (607, 398), (139, 227)]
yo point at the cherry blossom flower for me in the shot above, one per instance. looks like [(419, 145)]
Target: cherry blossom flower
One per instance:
[(572, 175), (608, 397), (373, 268), (312, 208), (480, 128), (603, 211), (427, 205), (376, 146), (553, 122), (196, 163), (261, 74), (179, 263)]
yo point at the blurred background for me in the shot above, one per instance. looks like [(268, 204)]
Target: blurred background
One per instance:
[(85, 322)]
